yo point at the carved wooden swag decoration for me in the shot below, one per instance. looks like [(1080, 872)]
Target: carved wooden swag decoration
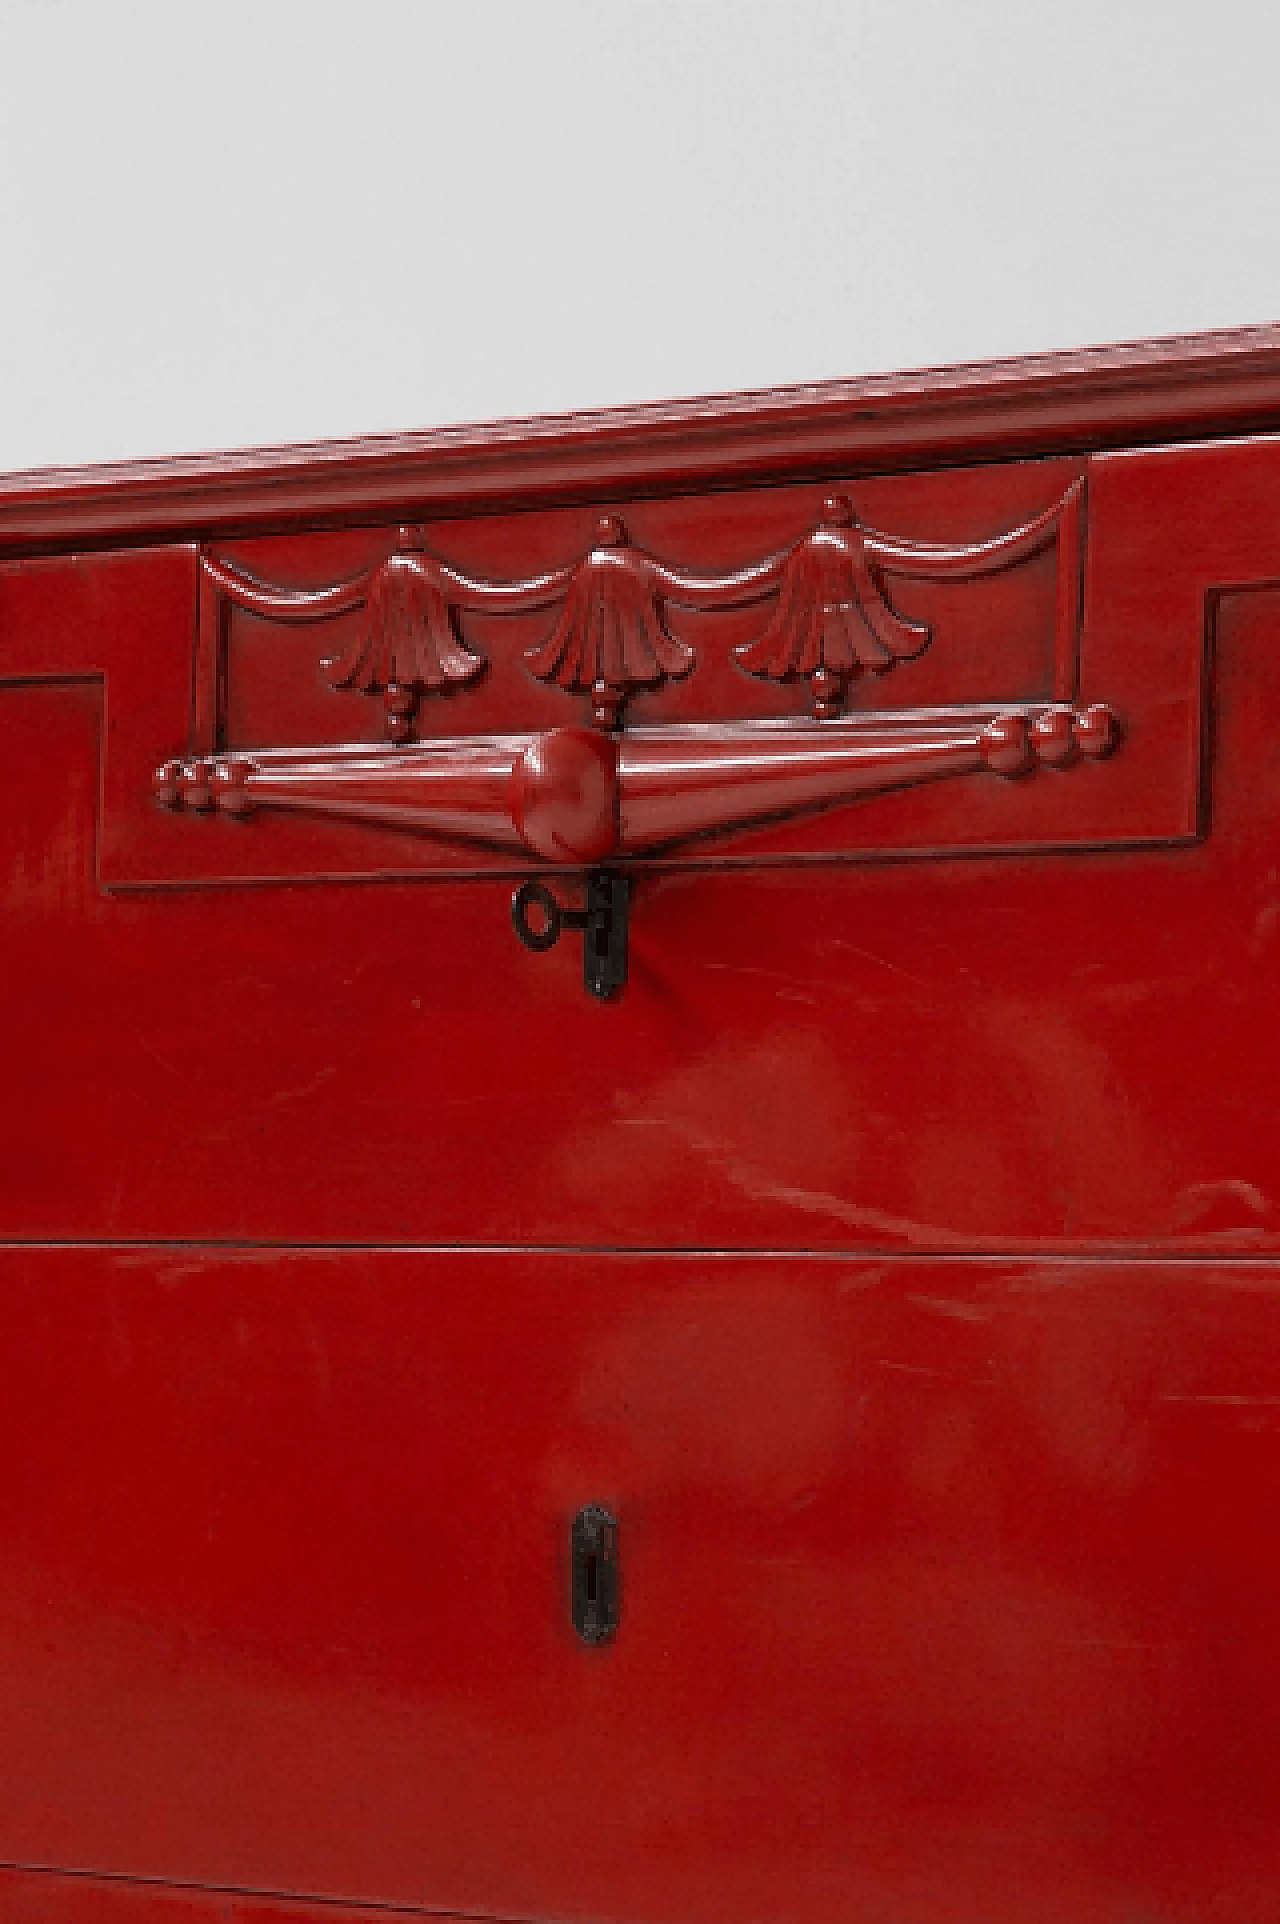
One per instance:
[(581, 795), (833, 619)]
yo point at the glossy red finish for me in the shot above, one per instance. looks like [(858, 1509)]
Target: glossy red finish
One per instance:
[(1143, 394), (895, 1258), (38, 1897), (564, 795), (829, 618), (574, 795), (952, 1580), (1004, 638)]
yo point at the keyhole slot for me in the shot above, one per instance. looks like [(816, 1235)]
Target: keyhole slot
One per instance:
[(593, 1598)]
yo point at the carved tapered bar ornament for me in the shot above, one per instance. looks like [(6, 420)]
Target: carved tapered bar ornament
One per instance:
[(577, 796)]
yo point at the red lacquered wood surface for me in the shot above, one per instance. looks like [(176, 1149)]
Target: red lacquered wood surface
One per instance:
[(945, 1585), (37, 1897), (1021, 1049), (894, 1258)]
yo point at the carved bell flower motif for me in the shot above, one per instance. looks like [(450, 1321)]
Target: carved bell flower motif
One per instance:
[(408, 644), (833, 619), (611, 636)]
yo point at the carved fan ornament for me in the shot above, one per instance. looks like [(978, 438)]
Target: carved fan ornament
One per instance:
[(612, 636), (408, 644), (833, 618)]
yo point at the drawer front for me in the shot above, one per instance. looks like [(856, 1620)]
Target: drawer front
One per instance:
[(952, 1579), (900, 666), (1011, 1050)]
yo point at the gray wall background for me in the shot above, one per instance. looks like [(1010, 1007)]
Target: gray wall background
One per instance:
[(253, 221)]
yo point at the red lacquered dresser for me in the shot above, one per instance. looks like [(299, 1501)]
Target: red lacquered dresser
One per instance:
[(639, 1164)]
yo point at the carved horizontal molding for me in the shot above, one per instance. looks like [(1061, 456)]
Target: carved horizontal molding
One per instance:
[(582, 796), (1178, 389), (831, 616)]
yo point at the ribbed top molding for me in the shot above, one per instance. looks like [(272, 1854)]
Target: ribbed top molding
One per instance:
[(1183, 388)]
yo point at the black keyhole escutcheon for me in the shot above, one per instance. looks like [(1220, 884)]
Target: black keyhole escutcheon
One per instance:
[(538, 919), (593, 1599)]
